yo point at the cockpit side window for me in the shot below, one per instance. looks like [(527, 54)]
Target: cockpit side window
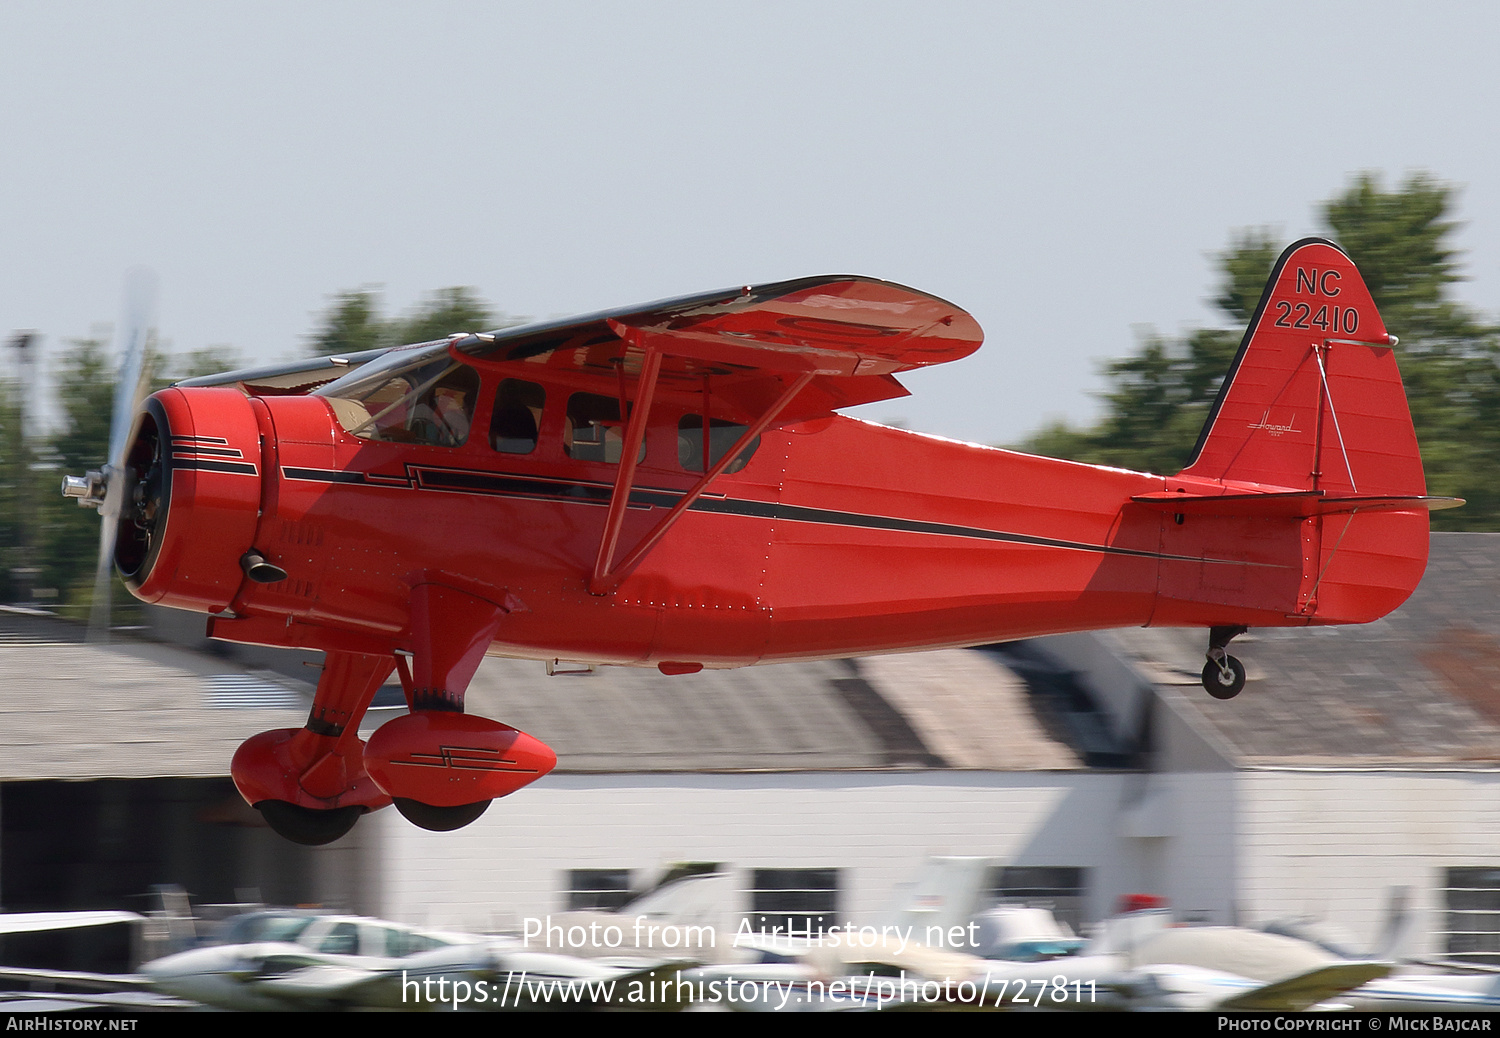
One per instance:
[(718, 437), (593, 430), (517, 416), (430, 403)]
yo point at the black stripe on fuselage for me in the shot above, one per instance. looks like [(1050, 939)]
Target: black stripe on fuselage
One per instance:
[(323, 475), (825, 516), (512, 486), (593, 493)]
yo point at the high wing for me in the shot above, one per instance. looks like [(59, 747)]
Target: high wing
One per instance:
[(741, 346)]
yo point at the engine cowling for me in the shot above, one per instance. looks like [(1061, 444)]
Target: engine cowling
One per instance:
[(193, 493)]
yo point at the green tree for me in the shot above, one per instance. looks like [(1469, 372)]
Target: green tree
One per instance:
[(1244, 268), (1399, 240), (443, 313), (353, 322), (210, 360)]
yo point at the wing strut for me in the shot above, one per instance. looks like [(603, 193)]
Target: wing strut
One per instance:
[(607, 576), (635, 434)]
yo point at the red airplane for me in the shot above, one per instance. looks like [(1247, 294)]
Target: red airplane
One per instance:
[(671, 485)]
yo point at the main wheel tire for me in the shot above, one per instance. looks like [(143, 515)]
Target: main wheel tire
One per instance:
[(439, 819), (1220, 685), (308, 826)]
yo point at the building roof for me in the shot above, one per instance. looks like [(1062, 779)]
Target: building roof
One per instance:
[(949, 709), (138, 709), (1420, 687), (129, 709)]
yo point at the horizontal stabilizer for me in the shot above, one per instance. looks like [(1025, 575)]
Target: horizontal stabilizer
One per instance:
[(1290, 504)]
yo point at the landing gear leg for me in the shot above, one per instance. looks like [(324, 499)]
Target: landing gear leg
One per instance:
[(309, 783), (441, 766), (1223, 675)]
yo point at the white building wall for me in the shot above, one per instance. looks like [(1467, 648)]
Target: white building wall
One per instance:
[(1182, 826), (878, 827), (1329, 844)]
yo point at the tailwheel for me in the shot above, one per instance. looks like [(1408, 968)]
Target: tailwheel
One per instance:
[(308, 826), (1223, 675), (1224, 678), (439, 819)]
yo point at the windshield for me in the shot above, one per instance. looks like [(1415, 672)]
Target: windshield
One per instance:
[(381, 367), (414, 395)]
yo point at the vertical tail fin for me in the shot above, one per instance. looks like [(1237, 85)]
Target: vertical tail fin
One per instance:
[(1314, 400), (1311, 425)]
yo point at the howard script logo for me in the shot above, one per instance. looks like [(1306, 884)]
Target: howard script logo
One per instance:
[(1275, 430)]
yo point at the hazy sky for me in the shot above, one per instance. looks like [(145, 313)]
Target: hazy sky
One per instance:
[(1064, 171)]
